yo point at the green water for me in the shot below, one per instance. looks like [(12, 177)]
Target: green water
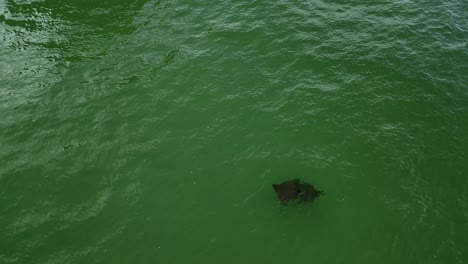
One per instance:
[(151, 131)]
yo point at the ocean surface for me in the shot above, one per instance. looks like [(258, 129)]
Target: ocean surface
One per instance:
[(151, 131)]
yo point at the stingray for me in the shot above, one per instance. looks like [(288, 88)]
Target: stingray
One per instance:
[(296, 190)]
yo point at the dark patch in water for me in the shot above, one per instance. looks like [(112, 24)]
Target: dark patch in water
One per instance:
[(296, 190)]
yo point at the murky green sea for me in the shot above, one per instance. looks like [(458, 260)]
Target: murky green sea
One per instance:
[(151, 131)]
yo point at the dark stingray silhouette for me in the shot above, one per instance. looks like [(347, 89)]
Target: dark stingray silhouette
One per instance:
[(296, 190)]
